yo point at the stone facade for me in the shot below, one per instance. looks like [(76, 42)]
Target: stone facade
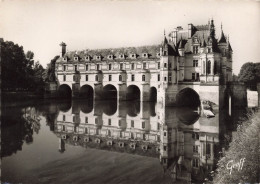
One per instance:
[(191, 58)]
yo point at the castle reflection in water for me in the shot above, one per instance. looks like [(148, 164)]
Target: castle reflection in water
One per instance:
[(186, 143)]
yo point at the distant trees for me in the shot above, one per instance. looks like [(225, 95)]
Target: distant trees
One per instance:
[(18, 69), (250, 74), (49, 74)]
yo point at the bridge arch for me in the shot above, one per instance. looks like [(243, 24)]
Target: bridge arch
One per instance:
[(64, 91), (188, 97), (153, 94), (86, 91), (133, 93), (110, 92)]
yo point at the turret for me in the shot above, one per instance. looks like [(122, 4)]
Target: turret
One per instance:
[(212, 29), (63, 48), (222, 43)]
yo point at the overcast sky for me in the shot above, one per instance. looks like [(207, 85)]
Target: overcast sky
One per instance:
[(41, 26)]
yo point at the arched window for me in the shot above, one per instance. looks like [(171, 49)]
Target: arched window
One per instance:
[(209, 67), (120, 77), (143, 77)]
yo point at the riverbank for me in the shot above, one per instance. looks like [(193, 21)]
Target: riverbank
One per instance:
[(20, 95), (243, 153)]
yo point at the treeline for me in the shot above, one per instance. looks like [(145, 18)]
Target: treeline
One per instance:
[(250, 75), (19, 70)]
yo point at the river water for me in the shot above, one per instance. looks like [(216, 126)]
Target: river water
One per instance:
[(84, 141)]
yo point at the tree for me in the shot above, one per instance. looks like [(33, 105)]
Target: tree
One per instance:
[(49, 74), (250, 74), (18, 68)]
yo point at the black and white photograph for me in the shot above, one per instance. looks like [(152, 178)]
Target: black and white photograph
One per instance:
[(130, 92)]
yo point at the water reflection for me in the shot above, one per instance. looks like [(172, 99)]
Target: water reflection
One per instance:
[(185, 149), (186, 143), (18, 127)]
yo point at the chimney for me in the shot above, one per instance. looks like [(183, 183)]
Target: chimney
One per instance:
[(190, 27), (63, 48)]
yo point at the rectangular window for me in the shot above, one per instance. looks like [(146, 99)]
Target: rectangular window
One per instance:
[(121, 66), (133, 77), (96, 121), (63, 128), (96, 77), (165, 148), (195, 63), (197, 76), (64, 67), (109, 66), (109, 121), (119, 123), (143, 124), (158, 65), (165, 65), (158, 77), (74, 119), (165, 134), (86, 67), (195, 149), (193, 76), (74, 78), (97, 66), (170, 65), (170, 78), (64, 118), (143, 77), (64, 77), (195, 49), (75, 67), (86, 119), (144, 65), (86, 130), (133, 66), (132, 123), (165, 78), (86, 77), (110, 77)]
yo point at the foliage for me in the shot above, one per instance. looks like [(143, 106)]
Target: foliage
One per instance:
[(250, 74), (245, 144), (49, 74), (18, 68), (18, 128)]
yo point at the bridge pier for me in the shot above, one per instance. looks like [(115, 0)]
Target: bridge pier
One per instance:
[(121, 92), (98, 92)]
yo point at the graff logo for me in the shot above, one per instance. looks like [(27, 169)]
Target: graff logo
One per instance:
[(239, 165)]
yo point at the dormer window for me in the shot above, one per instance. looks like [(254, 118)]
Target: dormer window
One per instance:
[(133, 56), (121, 56), (158, 54), (195, 49), (87, 58), (110, 56), (145, 55), (76, 58), (98, 57), (64, 59)]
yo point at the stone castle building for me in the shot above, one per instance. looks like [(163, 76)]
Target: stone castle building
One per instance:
[(188, 61)]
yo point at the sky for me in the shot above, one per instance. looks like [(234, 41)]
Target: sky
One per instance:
[(41, 25)]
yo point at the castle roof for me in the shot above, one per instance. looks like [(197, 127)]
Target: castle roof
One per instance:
[(222, 38), (152, 52)]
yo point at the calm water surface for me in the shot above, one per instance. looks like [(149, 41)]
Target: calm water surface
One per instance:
[(109, 142)]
